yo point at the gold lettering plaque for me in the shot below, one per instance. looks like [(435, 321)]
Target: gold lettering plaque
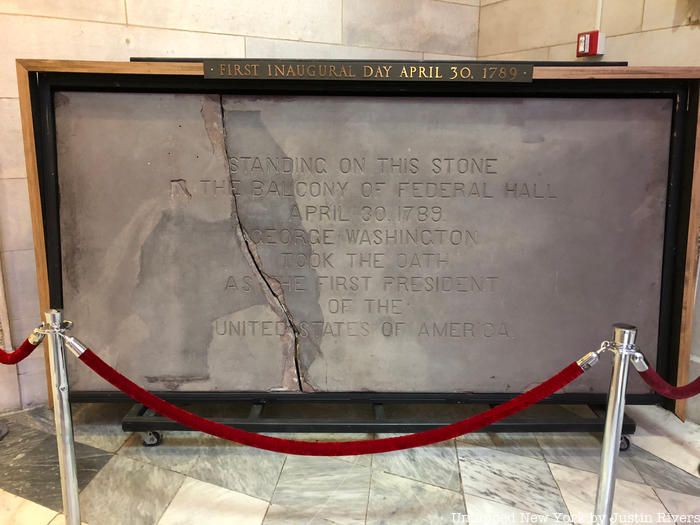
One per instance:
[(241, 69)]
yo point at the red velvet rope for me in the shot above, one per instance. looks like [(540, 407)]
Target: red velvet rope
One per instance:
[(341, 448), (657, 383), (22, 352)]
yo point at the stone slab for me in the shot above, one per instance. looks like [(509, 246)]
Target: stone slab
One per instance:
[(359, 243)]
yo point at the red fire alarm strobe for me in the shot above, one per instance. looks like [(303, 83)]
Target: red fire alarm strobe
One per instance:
[(590, 44)]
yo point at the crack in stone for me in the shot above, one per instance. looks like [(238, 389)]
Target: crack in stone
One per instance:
[(273, 291)]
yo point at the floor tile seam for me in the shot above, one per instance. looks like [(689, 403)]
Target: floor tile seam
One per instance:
[(461, 483), (177, 491), (518, 506), (369, 488), (662, 501), (496, 449), (274, 489), (561, 494), (408, 478)]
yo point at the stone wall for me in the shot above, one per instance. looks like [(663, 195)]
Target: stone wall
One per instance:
[(119, 29), (642, 32)]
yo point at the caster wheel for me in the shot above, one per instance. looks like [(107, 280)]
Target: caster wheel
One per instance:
[(625, 443), (152, 439)]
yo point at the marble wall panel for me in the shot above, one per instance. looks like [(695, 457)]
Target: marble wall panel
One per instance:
[(514, 25), (101, 10), (414, 25), (314, 20)]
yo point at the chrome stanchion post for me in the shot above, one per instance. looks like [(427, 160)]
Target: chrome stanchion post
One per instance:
[(62, 415), (624, 348)]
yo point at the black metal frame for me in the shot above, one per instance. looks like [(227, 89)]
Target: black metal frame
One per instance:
[(141, 419), (682, 92)]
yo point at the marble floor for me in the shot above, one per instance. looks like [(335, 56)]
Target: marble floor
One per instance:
[(488, 479)]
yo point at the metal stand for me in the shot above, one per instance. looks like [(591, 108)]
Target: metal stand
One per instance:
[(623, 346), (362, 412), (624, 349), (54, 328)]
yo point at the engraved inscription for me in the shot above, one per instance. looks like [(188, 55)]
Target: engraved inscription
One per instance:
[(422, 249), (371, 71)]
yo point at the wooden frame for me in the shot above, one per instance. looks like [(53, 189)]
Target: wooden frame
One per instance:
[(26, 68)]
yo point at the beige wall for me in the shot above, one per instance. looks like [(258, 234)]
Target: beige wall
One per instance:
[(642, 32), (118, 29)]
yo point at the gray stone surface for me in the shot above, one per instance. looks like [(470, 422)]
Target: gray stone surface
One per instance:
[(551, 231), (531, 270), (148, 247)]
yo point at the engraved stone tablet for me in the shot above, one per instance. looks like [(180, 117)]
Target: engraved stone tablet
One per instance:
[(359, 243)]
